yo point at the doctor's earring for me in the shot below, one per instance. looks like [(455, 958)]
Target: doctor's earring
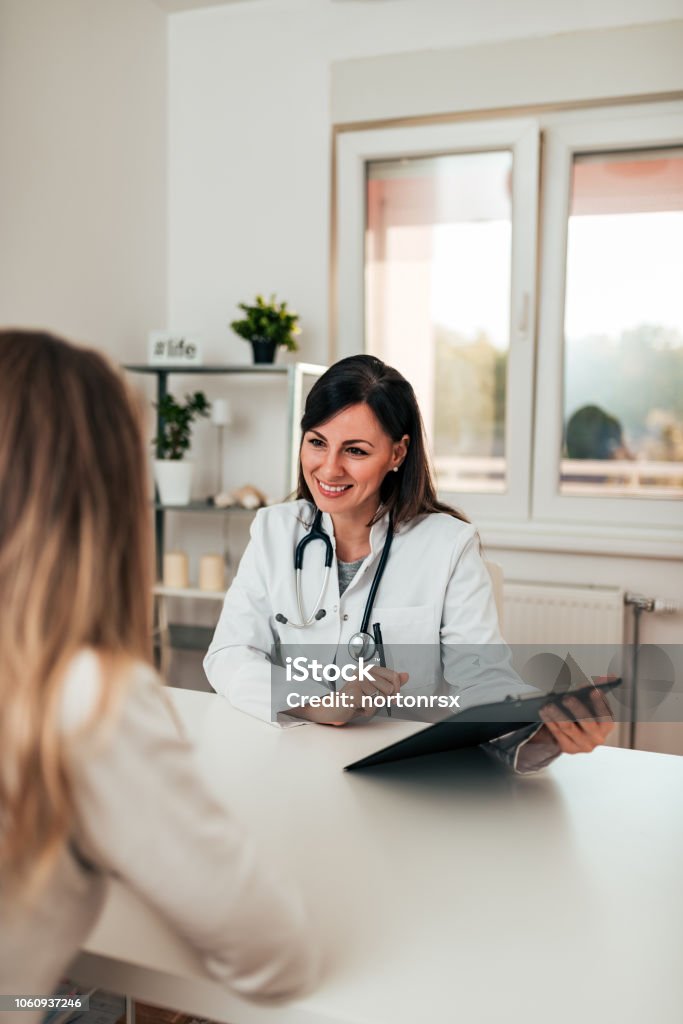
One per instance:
[(395, 469)]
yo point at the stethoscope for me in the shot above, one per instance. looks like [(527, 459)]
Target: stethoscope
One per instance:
[(362, 644)]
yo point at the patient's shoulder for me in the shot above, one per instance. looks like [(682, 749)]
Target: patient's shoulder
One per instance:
[(84, 683)]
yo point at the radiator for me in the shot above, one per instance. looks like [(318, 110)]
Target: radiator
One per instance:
[(552, 613)]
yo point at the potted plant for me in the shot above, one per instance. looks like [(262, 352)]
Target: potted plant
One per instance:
[(267, 325), (173, 473)]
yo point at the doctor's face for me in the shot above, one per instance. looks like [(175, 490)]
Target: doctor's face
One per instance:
[(345, 460)]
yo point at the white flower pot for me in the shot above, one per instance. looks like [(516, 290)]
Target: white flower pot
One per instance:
[(174, 480)]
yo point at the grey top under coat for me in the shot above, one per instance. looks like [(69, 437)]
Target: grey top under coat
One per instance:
[(347, 570)]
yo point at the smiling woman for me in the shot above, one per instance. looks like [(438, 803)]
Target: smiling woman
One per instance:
[(345, 474), (361, 422), (391, 558), (333, 456)]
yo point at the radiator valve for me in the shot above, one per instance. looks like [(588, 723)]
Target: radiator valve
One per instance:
[(657, 605)]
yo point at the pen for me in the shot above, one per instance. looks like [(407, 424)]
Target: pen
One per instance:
[(379, 643)]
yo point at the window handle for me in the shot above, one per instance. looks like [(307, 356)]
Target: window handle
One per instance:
[(523, 317)]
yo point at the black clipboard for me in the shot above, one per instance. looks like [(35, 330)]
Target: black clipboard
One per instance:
[(475, 725)]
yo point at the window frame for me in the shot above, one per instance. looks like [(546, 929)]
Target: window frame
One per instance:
[(564, 135), (521, 136)]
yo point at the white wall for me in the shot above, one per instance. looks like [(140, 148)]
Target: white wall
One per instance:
[(250, 178), (249, 122), (83, 169)]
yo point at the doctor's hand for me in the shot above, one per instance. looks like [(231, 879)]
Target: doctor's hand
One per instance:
[(569, 724), (384, 681)]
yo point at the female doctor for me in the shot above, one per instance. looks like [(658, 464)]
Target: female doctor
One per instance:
[(395, 555)]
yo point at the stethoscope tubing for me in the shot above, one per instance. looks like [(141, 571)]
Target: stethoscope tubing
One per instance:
[(364, 626), (362, 640), (300, 602)]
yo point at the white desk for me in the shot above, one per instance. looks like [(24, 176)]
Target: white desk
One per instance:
[(443, 889)]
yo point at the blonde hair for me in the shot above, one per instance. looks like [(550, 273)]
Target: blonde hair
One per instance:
[(75, 571)]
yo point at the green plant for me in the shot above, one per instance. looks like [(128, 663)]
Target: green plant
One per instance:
[(177, 418), (270, 321)]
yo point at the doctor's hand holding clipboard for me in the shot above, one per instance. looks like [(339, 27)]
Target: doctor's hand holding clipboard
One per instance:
[(366, 541)]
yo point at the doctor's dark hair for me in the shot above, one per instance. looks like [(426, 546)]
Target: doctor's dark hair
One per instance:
[(75, 573), (410, 492)]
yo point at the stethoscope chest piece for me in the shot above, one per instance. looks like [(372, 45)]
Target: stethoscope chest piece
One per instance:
[(362, 645)]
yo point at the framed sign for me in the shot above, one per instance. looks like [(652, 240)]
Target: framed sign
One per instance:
[(174, 348)]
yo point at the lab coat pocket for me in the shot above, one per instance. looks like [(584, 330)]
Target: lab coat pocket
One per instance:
[(411, 641)]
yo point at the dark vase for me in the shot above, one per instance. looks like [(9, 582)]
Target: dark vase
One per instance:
[(264, 350)]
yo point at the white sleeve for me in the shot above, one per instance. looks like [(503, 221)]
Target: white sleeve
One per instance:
[(476, 659), (238, 663), (469, 613), (475, 656), (144, 814)]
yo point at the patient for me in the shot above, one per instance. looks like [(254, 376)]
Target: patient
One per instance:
[(96, 778)]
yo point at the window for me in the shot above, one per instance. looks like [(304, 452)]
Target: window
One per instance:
[(610, 346), (623, 355), (437, 300), (438, 272), (437, 256)]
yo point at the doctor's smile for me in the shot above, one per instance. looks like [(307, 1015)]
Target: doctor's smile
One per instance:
[(331, 491)]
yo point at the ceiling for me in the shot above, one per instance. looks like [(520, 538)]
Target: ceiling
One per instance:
[(189, 5)]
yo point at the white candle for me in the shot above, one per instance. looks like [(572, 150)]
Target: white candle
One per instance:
[(212, 572), (220, 412), (176, 569)]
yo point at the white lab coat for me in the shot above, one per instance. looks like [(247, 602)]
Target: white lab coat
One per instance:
[(435, 596)]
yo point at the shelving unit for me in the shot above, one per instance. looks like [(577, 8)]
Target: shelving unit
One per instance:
[(183, 636), (201, 506), (161, 590)]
